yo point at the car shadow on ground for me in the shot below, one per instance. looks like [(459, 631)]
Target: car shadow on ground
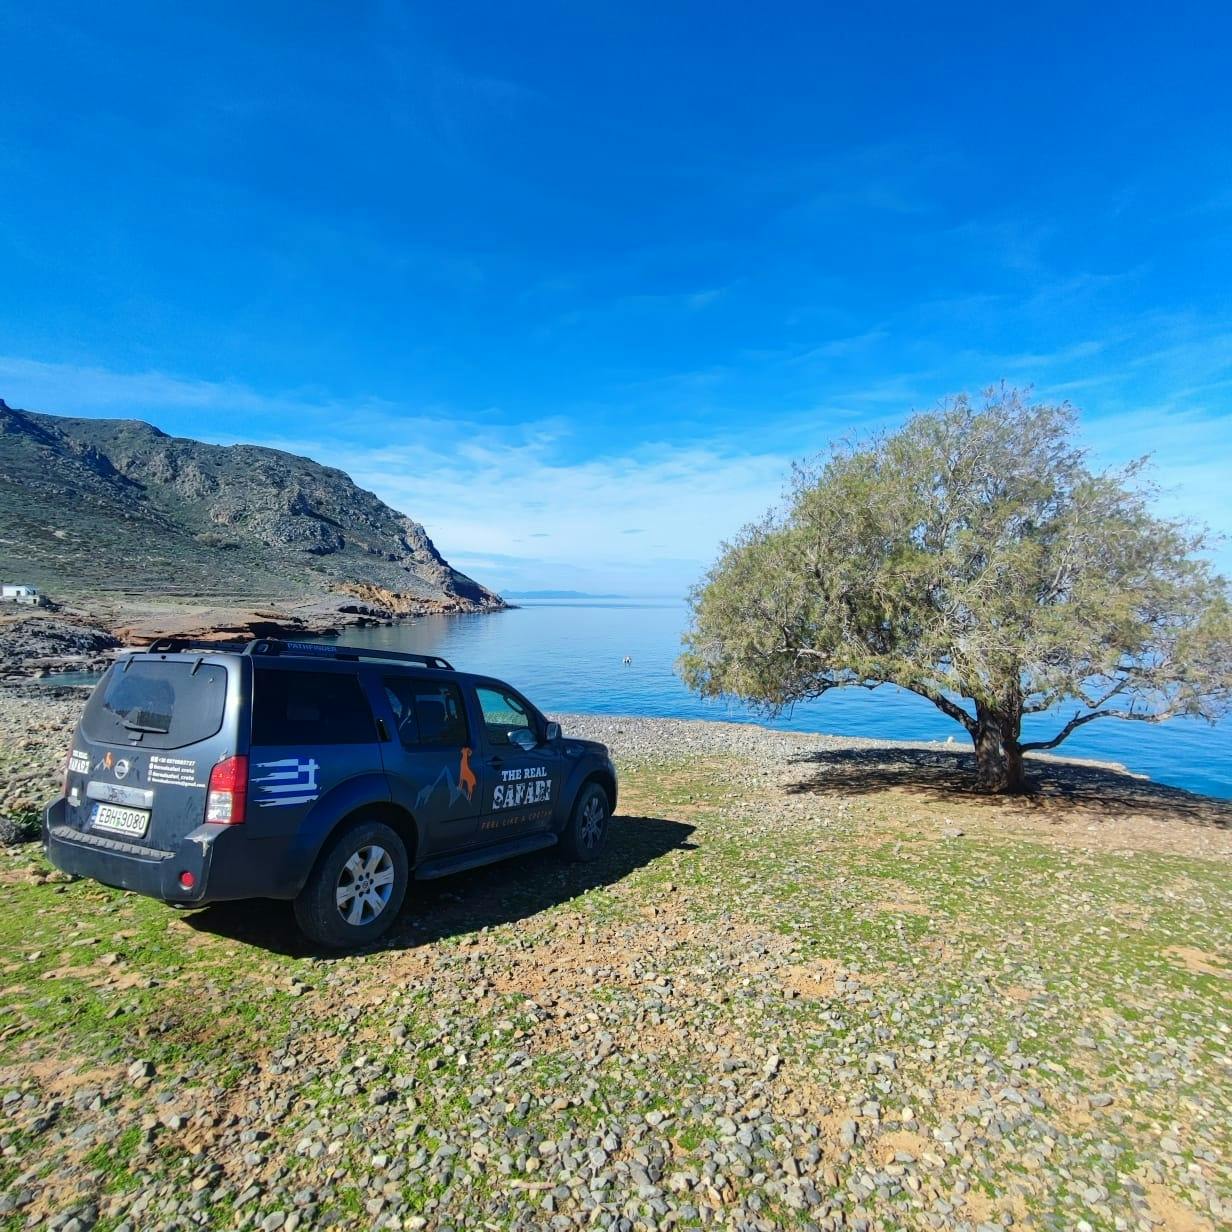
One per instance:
[(496, 894), (946, 777)]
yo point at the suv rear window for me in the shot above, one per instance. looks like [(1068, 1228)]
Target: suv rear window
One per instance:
[(310, 708), (166, 704)]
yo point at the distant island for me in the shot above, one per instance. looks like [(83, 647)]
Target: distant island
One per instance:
[(554, 594)]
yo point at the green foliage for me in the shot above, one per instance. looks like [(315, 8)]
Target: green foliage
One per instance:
[(975, 559), (23, 826)]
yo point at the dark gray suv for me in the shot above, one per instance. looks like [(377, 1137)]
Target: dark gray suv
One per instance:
[(325, 774)]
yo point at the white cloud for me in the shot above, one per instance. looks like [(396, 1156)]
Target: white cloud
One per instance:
[(532, 505), (509, 501), (524, 514), (1189, 451), (77, 389)]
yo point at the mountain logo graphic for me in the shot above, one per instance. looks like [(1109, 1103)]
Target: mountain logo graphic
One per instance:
[(462, 785)]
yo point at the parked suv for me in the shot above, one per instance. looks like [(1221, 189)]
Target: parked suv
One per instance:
[(324, 774)]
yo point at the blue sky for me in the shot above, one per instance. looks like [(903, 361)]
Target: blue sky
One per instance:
[(573, 284)]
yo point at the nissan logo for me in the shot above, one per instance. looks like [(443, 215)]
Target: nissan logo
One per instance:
[(122, 768)]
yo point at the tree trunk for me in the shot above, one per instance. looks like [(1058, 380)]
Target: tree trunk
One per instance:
[(998, 753)]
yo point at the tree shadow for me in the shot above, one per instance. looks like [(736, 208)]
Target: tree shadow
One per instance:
[(948, 777), (502, 893)]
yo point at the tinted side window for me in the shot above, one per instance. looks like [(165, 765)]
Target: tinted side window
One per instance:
[(310, 708), (502, 714), (428, 713), (166, 704), (400, 693)]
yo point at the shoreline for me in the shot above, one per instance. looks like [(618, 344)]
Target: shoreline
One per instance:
[(37, 720), (597, 725), (38, 643)]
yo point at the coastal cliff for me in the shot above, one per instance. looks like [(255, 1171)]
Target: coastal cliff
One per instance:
[(149, 534)]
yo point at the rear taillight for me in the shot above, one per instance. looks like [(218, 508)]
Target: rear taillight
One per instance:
[(228, 792)]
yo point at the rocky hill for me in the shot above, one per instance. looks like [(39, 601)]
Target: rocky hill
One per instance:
[(116, 517)]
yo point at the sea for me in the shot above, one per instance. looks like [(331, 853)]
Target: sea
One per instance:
[(568, 655)]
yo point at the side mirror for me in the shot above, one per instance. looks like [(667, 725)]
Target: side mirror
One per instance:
[(552, 732), (523, 737)]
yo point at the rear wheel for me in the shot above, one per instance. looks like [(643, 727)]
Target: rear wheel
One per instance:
[(586, 831), (356, 889)]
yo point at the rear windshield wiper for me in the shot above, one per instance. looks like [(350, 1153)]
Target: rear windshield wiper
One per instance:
[(145, 727)]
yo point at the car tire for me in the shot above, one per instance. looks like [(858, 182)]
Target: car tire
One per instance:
[(586, 831), (355, 891)]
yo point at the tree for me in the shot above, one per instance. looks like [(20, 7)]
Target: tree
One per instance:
[(972, 558)]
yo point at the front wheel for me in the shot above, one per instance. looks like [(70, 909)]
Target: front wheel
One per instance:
[(356, 889), (586, 831)]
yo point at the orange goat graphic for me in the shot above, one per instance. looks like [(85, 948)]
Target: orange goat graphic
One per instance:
[(466, 776)]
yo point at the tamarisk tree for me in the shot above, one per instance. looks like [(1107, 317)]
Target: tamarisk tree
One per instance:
[(975, 559)]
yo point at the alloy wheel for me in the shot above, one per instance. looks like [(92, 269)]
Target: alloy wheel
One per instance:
[(365, 885), (594, 818)]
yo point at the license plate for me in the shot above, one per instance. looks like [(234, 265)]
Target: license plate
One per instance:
[(129, 821)]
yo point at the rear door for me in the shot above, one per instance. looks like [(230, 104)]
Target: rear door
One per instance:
[(522, 787), (312, 729), (149, 736), (431, 758)]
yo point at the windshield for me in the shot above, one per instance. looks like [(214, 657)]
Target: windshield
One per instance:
[(157, 704)]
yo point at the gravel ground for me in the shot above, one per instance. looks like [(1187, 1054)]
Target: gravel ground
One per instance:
[(813, 983), (36, 729), (640, 740)]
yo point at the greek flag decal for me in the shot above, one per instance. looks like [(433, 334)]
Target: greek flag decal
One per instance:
[(293, 780)]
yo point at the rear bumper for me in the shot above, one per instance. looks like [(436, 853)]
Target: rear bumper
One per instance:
[(221, 860)]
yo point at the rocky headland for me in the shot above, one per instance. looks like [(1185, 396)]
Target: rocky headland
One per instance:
[(133, 534)]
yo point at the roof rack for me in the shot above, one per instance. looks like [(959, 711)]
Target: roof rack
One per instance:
[(174, 645), (269, 647), (326, 650)]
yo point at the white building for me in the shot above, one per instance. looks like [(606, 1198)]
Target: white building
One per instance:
[(18, 593)]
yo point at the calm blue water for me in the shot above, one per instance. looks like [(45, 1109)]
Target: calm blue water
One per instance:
[(566, 655)]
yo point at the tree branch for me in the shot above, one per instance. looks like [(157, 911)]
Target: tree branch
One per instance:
[(1076, 722), (943, 703), (1079, 719)]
